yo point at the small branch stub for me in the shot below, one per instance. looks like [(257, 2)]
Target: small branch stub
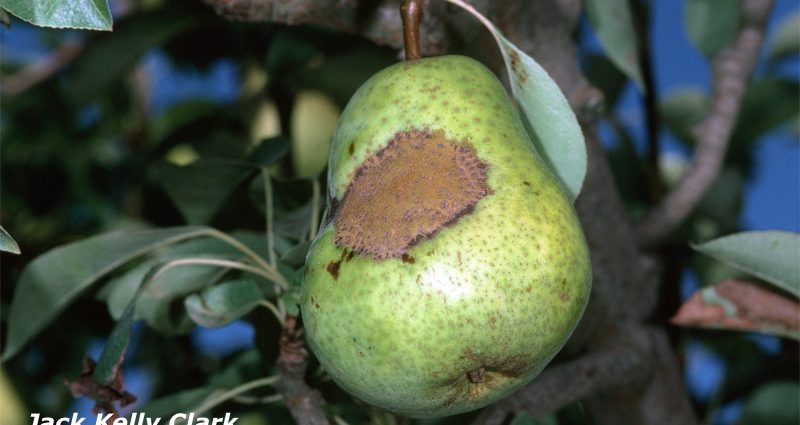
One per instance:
[(411, 13)]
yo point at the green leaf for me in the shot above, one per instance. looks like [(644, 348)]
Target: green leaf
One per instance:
[(681, 110), (767, 104), (114, 349), (180, 116), (607, 77), (7, 243), (53, 280), (109, 58), (200, 188), (296, 255), (773, 256), (711, 24), (547, 115), (786, 40), (613, 22), (223, 303), (270, 151), (78, 14), (775, 403)]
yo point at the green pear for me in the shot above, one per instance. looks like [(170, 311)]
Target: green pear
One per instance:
[(450, 267)]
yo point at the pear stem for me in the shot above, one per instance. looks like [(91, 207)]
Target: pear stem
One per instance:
[(411, 13)]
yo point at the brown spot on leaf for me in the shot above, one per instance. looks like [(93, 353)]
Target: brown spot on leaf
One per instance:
[(405, 193), (351, 149), (408, 259), (517, 68), (526, 183)]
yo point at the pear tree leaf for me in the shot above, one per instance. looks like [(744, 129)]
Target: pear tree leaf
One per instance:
[(296, 255), (223, 303), (612, 20), (786, 40), (773, 256), (549, 119), (711, 24), (774, 403), (77, 14), (53, 280), (743, 306), (113, 353), (199, 189), (681, 110), (7, 243)]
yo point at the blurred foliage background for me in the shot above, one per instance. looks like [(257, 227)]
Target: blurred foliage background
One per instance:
[(149, 126)]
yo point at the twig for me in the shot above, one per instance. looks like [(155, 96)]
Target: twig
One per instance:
[(305, 403), (621, 361), (655, 187), (731, 68), (376, 20), (33, 74)]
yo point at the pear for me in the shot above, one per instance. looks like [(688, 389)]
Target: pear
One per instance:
[(450, 267)]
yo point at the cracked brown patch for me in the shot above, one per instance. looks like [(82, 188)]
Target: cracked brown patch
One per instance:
[(419, 183)]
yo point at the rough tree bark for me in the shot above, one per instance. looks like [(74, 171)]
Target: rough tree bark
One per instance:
[(627, 372)]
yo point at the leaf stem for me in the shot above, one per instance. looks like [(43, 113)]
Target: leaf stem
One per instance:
[(270, 217), (216, 262), (218, 398), (271, 270), (271, 307)]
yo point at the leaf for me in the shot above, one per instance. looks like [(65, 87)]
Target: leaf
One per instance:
[(681, 110), (741, 305), (550, 121), (78, 14), (767, 103), (7, 243), (786, 39), (109, 58), (110, 361), (613, 22), (199, 189), (270, 151), (774, 403), (223, 303), (773, 256), (296, 255), (607, 77), (53, 280), (711, 24)]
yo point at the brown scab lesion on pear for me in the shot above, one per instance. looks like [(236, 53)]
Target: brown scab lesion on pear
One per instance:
[(451, 267)]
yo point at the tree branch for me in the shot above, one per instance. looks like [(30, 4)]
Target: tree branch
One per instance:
[(33, 74), (304, 402), (378, 20), (623, 360), (731, 68)]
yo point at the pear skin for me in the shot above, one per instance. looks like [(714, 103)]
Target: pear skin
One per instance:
[(450, 267)]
